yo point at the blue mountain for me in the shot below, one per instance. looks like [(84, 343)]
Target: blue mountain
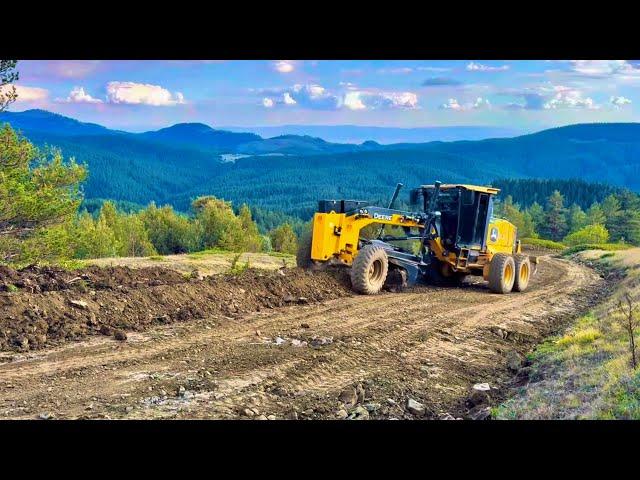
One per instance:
[(178, 163)]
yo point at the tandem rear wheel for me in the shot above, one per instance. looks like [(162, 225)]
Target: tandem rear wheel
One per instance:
[(509, 272)]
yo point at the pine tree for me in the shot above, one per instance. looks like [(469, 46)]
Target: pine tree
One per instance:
[(577, 218), (528, 226), (252, 240), (628, 227), (8, 76), (537, 215), (614, 216), (595, 215), (555, 223), (39, 189)]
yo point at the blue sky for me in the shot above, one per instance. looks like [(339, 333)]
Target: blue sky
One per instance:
[(142, 95)]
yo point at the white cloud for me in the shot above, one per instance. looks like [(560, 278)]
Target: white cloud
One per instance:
[(597, 68), (352, 101), (287, 99), (481, 103), (372, 99), (619, 102), (28, 94), (453, 104), (142, 93), (567, 97), (551, 97), (396, 71), (267, 102), (311, 96), (351, 97), (284, 66), (433, 69), (479, 67), (78, 95)]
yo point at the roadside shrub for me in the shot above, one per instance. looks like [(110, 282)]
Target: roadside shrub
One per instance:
[(588, 234), (283, 239), (539, 242), (581, 337), (168, 231)]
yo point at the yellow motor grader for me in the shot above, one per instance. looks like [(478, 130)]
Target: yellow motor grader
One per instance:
[(453, 225)]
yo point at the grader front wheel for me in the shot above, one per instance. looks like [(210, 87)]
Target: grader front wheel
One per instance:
[(502, 273), (369, 270)]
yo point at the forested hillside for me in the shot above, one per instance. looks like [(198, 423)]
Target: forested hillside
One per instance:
[(177, 164), (528, 191)]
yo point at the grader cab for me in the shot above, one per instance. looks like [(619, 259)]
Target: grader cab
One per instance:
[(451, 229)]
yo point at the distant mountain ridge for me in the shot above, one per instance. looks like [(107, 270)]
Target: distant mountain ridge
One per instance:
[(357, 134), (291, 172), (52, 123), (201, 136)]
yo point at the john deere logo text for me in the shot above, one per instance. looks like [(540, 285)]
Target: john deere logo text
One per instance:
[(494, 234), (379, 216)]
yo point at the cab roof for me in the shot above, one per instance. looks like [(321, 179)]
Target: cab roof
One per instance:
[(475, 188)]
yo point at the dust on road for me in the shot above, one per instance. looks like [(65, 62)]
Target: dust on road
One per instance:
[(335, 355)]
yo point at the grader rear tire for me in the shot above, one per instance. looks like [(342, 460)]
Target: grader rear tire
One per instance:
[(502, 273), (523, 272), (369, 270)]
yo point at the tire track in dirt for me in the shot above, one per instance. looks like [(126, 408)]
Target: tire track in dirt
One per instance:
[(393, 336), (386, 336)]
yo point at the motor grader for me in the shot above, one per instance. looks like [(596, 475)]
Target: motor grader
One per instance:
[(451, 229)]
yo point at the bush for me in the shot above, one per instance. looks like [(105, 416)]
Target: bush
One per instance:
[(539, 242), (284, 240), (588, 234), (169, 232)]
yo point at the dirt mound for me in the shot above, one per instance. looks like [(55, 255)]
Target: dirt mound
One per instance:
[(41, 306), (37, 279)]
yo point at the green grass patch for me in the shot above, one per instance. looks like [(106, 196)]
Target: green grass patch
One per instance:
[(12, 288), (205, 253), (72, 264), (584, 373), (156, 258), (541, 243), (280, 255), (596, 246), (581, 337)]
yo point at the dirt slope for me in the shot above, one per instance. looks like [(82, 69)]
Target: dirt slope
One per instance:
[(334, 355)]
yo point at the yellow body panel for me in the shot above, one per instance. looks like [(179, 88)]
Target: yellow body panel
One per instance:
[(326, 244), (501, 236)]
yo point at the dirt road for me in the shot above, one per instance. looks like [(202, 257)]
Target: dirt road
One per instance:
[(353, 356)]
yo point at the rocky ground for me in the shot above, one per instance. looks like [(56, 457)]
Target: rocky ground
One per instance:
[(152, 343)]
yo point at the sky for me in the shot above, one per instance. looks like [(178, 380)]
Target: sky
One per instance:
[(523, 94)]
